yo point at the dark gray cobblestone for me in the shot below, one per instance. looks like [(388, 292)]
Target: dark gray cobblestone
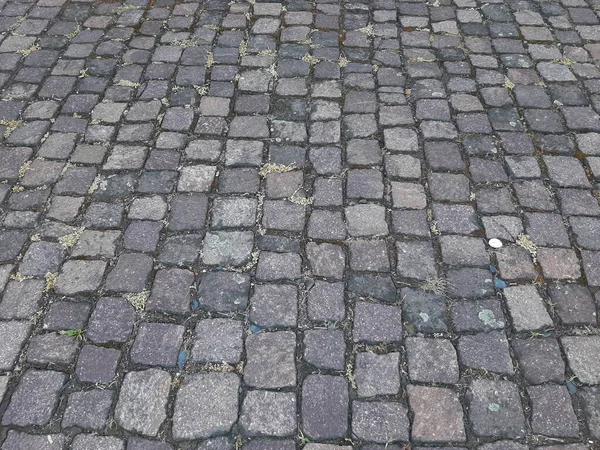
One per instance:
[(256, 225)]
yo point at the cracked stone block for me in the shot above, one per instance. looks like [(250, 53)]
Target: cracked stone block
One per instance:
[(130, 274)]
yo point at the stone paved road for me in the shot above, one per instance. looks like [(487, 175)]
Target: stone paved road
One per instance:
[(265, 226)]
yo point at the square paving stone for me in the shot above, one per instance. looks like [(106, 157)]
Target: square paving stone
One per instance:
[(581, 354), (274, 305), (11, 243), (371, 256), (487, 351), (268, 413), (78, 277), (270, 360), (380, 422), (13, 334), (515, 263), (526, 308), (540, 360), (366, 220), (47, 385), (206, 405), (63, 315), (432, 360), (223, 291), (227, 248), (553, 413), (42, 258), (559, 263), (142, 401), (95, 442), (97, 364), (464, 251), (573, 304), (326, 260), (180, 249), (326, 301), (97, 243), (188, 212), (130, 274), (16, 440), (88, 409), (111, 321), (278, 266), (171, 291), (377, 323), (21, 299), (52, 348), (415, 259), (590, 398), (423, 311), (157, 344), (218, 341), (438, 415), (325, 349), (455, 219), (495, 409), (377, 374), (325, 405)]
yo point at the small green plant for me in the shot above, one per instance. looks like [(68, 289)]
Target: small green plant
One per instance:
[(73, 333)]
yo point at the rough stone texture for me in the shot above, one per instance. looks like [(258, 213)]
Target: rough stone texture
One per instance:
[(142, 401), (325, 407), (380, 422), (291, 204), (438, 415), (495, 409), (206, 405)]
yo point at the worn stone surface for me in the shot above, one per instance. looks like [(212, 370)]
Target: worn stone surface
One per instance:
[(142, 401), (285, 208)]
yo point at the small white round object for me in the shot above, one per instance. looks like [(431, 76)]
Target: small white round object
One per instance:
[(495, 243)]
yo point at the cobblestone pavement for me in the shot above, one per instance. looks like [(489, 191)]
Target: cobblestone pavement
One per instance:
[(265, 226)]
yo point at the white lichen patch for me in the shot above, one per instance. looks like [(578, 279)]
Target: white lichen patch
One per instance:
[(69, 240), (11, 125), (268, 168), (137, 299), (50, 281)]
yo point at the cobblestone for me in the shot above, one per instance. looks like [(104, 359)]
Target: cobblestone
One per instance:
[(266, 225)]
